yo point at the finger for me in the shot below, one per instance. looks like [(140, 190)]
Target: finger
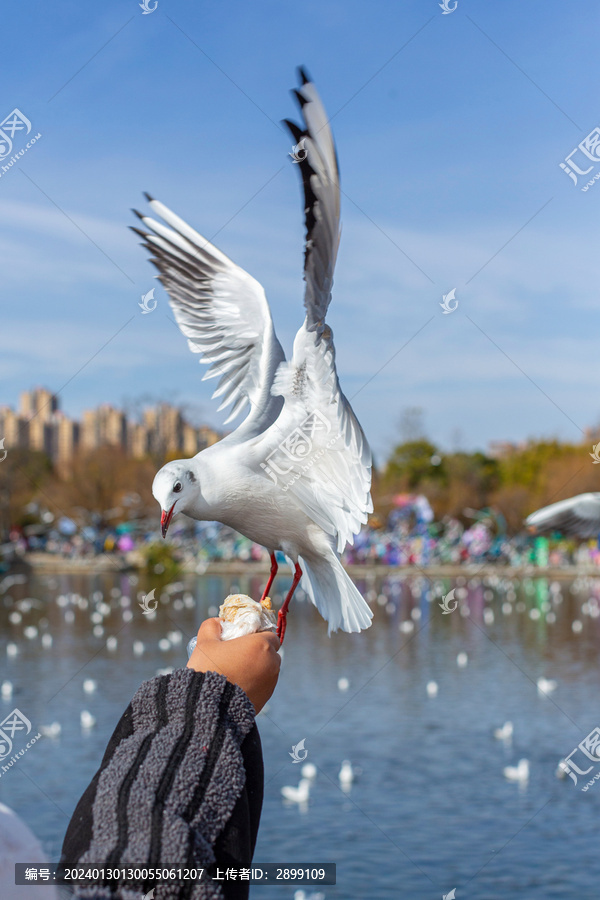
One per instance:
[(210, 630), (271, 639)]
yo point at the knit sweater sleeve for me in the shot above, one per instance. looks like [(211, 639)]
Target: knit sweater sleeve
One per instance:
[(170, 778)]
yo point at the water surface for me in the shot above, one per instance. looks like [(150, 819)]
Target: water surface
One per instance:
[(431, 809)]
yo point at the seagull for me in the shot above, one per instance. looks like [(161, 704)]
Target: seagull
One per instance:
[(295, 475), (579, 515), (545, 685), (309, 771), (505, 733), (432, 688), (298, 794), (86, 719), (51, 731), (519, 773), (346, 776)]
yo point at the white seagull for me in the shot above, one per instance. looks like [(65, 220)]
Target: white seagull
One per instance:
[(346, 776), (295, 476), (298, 794), (505, 733), (519, 773), (579, 515)]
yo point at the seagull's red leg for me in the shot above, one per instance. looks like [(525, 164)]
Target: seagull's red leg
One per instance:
[(274, 568), (281, 618)]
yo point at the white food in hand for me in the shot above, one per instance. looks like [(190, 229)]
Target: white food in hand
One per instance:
[(242, 615)]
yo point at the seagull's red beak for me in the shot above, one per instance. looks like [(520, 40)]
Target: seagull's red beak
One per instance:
[(165, 520)]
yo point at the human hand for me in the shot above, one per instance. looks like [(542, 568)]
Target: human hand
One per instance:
[(252, 661)]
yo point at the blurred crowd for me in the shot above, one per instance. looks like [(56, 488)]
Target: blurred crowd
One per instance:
[(409, 535)]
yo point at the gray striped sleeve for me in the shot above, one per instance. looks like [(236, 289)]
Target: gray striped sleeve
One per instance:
[(170, 785)]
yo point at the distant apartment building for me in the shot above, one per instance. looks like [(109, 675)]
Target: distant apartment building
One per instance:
[(164, 424), (13, 428), (41, 425), (103, 426), (65, 438), (39, 403), (137, 440)]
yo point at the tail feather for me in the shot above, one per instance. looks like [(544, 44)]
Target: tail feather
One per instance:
[(334, 594)]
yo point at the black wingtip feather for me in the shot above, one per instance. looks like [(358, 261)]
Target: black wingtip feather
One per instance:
[(142, 234), (136, 213), (294, 129), (148, 197), (302, 101), (303, 75)]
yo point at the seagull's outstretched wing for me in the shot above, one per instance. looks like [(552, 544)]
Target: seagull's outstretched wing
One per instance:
[(578, 515), (224, 314), (316, 157), (316, 449)]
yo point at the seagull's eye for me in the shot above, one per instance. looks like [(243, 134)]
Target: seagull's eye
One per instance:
[(177, 487)]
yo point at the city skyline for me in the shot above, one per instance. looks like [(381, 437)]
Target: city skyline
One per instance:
[(40, 424)]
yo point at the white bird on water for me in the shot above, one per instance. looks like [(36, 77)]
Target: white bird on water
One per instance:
[(505, 733), (346, 776), (298, 794), (295, 476), (86, 719), (519, 773), (546, 685), (309, 771), (52, 731)]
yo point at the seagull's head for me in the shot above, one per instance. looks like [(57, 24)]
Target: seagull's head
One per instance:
[(174, 486)]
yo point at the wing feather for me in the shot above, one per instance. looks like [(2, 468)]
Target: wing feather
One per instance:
[(579, 515), (317, 161), (223, 313)]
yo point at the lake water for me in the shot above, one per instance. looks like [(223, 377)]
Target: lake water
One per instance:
[(430, 810)]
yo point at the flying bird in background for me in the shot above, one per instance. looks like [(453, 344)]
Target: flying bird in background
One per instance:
[(295, 475), (579, 516)]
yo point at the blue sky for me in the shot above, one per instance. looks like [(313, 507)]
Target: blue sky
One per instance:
[(450, 130)]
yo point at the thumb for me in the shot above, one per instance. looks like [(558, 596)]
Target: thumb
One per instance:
[(210, 630)]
